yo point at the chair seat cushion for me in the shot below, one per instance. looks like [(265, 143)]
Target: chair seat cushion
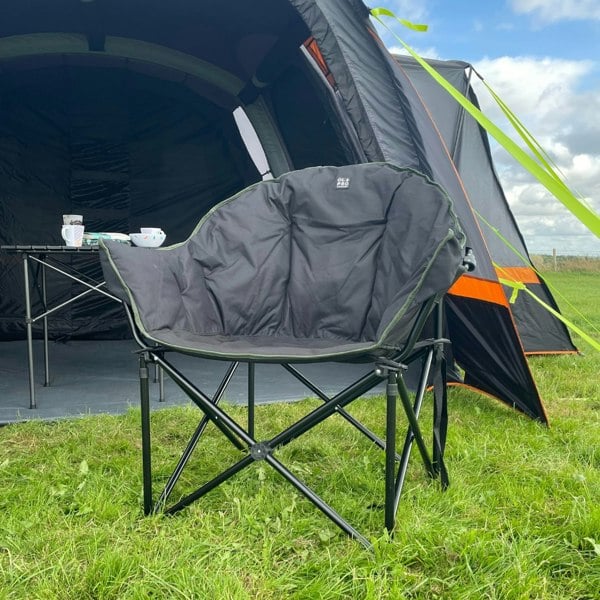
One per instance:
[(265, 348)]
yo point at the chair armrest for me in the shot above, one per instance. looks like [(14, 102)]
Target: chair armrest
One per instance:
[(143, 278)]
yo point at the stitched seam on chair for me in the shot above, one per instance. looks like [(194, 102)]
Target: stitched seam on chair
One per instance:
[(182, 308), (452, 233), (248, 355), (188, 306), (216, 207), (402, 310), (132, 303), (335, 338), (288, 300)]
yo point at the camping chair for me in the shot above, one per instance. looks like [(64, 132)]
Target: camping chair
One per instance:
[(323, 264)]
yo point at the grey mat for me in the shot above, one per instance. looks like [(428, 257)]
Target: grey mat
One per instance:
[(90, 377)]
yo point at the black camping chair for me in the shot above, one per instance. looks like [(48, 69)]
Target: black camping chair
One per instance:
[(323, 264)]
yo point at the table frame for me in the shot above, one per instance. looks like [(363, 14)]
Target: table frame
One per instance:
[(41, 257)]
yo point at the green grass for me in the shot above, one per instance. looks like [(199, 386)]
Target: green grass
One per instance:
[(521, 518)]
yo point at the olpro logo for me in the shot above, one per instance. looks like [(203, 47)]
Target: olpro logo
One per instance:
[(343, 183)]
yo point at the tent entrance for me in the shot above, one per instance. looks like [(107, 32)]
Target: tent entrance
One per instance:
[(122, 148), (142, 128)]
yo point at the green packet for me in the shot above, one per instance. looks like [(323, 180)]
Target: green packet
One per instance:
[(91, 238)]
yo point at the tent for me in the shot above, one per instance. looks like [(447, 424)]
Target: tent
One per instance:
[(145, 112), (469, 149)]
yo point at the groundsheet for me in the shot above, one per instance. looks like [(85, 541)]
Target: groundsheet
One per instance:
[(91, 377)]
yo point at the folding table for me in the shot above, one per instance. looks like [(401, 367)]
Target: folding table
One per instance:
[(36, 260)]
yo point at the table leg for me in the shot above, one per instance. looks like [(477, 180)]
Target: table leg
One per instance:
[(29, 325), (161, 385), (159, 377), (45, 322), (251, 401)]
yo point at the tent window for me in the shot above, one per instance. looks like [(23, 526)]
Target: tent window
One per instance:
[(252, 143), (313, 49)]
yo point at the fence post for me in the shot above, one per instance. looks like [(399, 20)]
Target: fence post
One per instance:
[(554, 258)]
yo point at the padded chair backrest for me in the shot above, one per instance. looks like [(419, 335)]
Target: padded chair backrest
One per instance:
[(330, 252)]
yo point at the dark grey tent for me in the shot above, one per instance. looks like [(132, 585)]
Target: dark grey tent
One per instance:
[(469, 149), (123, 110)]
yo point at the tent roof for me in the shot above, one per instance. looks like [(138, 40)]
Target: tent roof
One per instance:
[(233, 38)]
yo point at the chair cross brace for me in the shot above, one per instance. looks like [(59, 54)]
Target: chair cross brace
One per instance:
[(243, 439)]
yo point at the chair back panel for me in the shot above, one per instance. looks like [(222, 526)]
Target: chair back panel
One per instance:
[(323, 252)]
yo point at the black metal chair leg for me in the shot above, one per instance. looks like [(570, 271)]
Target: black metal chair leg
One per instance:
[(211, 485), (195, 438), (161, 385), (414, 425), (317, 501), (183, 461), (251, 399), (440, 400), (390, 450), (146, 448), (440, 418), (343, 413), (233, 432), (408, 441)]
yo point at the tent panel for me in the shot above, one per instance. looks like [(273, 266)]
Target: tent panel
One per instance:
[(309, 135), (493, 363), (345, 44), (469, 146), (122, 149), (234, 36), (539, 329), (479, 289)]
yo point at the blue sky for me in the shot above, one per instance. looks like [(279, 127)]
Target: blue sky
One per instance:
[(543, 58)]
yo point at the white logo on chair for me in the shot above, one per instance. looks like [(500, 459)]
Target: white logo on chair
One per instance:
[(343, 183)]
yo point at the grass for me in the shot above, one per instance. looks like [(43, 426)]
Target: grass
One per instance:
[(521, 518)]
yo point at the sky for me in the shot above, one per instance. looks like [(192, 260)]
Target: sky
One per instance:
[(542, 57)]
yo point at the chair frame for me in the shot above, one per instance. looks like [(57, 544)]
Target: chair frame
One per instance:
[(431, 353)]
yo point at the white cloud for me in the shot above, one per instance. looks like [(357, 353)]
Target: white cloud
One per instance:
[(546, 224), (545, 94), (536, 87), (550, 11), (425, 52)]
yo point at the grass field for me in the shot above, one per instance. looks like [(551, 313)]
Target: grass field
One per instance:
[(521, 519)]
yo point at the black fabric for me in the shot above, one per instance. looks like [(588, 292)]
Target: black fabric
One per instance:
[(539, 330), (320, 263), (440, 414), (301, 129), (468, 145), (492, 363), (235, 35), (345, 43), (122, 149)]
